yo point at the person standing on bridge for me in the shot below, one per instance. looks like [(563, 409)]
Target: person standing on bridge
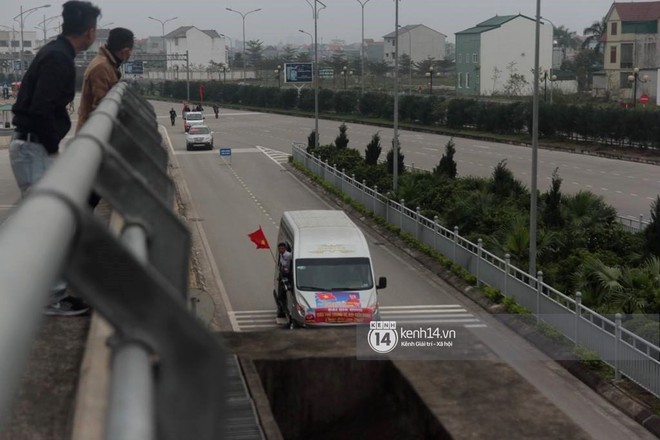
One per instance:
[(101, 75), (41, 117), (103, 72)]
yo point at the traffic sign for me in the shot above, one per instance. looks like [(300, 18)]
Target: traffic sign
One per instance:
[(644, 99), (134, 67), (326, 73), (298, 73), (225, 151)]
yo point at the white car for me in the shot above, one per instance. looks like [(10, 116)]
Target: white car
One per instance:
[(192, 119), (199, 136)]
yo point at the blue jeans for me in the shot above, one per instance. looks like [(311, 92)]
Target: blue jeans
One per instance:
[(29, 161)]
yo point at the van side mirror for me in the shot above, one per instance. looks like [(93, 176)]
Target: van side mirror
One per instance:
[(382, 283)]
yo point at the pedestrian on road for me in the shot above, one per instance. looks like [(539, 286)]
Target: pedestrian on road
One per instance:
[(216, 109), (41, 117), (172, 116)]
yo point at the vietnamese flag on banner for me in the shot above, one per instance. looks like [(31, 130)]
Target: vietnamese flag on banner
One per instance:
[(259, 238), (201, 91)]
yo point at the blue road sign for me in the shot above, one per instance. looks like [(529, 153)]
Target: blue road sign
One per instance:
[(298, 73), (134, 67), (225, 151)]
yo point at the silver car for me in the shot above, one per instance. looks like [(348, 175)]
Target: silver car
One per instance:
[(199, 136)]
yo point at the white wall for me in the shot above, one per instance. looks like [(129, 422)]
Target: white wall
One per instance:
[(200, 46), (513, 42), (425, 43)]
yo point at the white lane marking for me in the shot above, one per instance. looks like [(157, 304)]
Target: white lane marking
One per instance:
[(216, 151), (246, 320), (430, 149), (276, 156), (242, 114), (484, 147), (424, 307), (7, 206), (634, 195), (206, 247)]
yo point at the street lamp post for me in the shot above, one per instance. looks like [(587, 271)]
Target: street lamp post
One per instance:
[(43, 24), (162, 26), (316, 11), (545, 86), (311, 37), (634, 78), (395, 140), (343, 74), (535, 147), (21, 22), (279, 77), (362, 4), (429, 74), (243, 15)]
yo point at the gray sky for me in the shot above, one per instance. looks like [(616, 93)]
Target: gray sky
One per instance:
[(279, 20)]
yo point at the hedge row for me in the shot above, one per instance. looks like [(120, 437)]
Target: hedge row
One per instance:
[(616, 126)]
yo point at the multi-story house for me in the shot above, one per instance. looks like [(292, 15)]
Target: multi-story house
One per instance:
[(203, 46), (417, 41), (631, 49), (497, 56)]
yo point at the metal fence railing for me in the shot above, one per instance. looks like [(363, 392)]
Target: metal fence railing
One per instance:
[(627, 353), (168, 371)]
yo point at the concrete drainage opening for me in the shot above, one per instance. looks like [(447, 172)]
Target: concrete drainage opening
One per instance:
[(329, 398)]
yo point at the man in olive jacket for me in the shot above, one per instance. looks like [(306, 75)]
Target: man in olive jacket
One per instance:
[(103, 72)]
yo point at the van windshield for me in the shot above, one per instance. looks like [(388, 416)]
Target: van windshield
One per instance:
[(333, 274)]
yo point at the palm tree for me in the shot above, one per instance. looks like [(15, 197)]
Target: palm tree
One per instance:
[(614, 289), (594, 32)]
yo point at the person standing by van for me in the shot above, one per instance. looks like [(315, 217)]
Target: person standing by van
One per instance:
[(285, 279)]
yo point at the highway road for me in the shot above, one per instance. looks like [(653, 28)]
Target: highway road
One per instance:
[(230, 199), (628, 186)]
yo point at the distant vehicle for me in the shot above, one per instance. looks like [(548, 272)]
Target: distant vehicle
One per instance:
[(333, 279), (192, 119), (199, 136)]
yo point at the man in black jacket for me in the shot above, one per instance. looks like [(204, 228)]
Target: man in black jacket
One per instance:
[(41, 117)]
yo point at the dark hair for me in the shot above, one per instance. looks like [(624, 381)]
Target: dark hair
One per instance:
[(78, 17), (281, 244), (120, 38)]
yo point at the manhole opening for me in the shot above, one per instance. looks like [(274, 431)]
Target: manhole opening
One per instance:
[(330, 398)]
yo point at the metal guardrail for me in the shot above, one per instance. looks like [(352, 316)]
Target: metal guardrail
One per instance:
[(168, 372), (627, 353)]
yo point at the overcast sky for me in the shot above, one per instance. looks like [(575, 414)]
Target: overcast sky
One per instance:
[(279, 20)]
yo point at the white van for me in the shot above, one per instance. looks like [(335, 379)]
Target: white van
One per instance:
[(332, 272)]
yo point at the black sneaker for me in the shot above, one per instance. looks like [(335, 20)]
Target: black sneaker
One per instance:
[(68, 306)]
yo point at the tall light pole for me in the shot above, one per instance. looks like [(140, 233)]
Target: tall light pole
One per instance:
[(362, 4), (278, 71), (43, 24), (430, 75), (243, 15), (535, 146), (316, 11), (395, 141), (21, 22), (162, 36), (231, 48), (634, 78), (311, 37)]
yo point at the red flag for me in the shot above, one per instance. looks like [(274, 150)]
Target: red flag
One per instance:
[(201, 91), (259, 238)]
